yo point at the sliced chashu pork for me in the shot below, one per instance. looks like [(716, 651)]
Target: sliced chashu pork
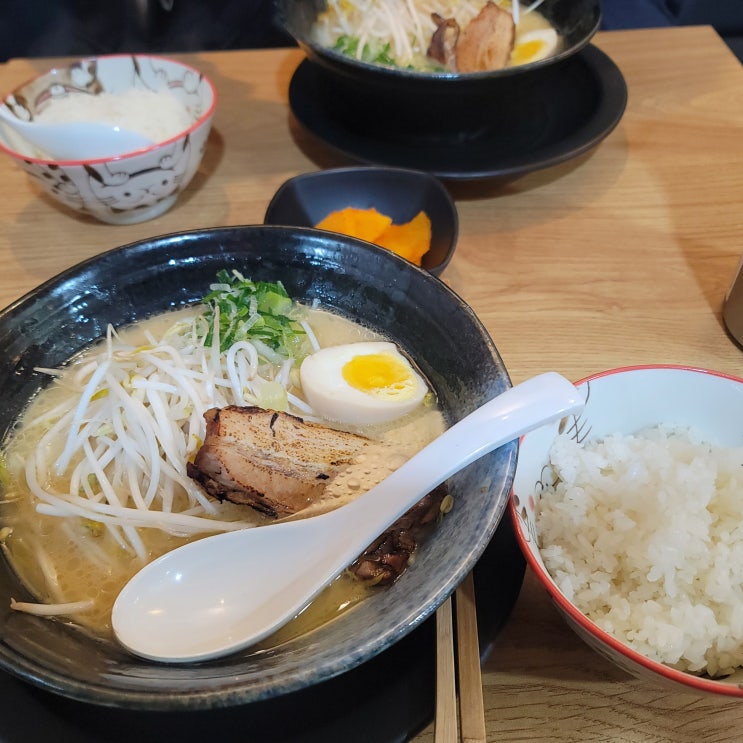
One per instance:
[(275, 462), (280, 465), (487, 41), (443, 47), (385, 559)]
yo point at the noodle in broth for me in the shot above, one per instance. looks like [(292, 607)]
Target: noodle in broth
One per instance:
[(62, 534)]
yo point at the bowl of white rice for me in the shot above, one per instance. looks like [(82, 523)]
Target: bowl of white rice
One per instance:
[(631, 516), (168, 102)]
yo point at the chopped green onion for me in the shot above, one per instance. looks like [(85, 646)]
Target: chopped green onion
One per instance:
[(349, 45), (255, 311)]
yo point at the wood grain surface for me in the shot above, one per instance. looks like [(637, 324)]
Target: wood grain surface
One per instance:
[(620, 257)]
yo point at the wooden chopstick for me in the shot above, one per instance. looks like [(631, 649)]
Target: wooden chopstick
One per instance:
[(471, 705), (446, 729), (469, 720)]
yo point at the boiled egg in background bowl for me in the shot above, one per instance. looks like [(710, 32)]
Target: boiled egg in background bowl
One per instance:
[(534, 46), (361, 383)]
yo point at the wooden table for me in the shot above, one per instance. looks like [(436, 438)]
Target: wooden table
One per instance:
[(620, 257)]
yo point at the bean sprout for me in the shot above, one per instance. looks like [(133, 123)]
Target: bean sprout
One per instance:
[(133, 421), (48, 610)]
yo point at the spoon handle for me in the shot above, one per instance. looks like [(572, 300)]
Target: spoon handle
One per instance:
[(506, 417)]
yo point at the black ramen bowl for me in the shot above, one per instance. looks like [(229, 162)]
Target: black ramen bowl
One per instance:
[(377, 100), (397, 192), (352, 277)]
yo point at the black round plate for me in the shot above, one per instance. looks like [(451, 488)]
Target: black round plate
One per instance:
[(386, 700), (566, 117)]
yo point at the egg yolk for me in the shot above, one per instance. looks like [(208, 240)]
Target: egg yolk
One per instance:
[(377, 372), (527, 51)]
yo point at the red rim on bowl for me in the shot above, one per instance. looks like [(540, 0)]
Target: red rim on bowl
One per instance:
[(195, 125)]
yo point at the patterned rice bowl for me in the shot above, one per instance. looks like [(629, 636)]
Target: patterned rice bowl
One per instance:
[(131, 187)]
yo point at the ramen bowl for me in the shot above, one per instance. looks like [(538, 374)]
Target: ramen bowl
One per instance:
[(398, 193), (355, 279), (134, 186), (377, 100), (629, 601)]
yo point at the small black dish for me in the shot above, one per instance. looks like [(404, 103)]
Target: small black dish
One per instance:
[(571, 109), (305, 200)]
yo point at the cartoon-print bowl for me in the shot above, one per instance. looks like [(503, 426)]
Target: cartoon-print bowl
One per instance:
[(625, 401), (132, 187)]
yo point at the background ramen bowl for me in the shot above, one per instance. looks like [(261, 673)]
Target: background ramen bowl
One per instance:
[(375, 101), (625, 401), (372, 286), (398, 193), (129, 188)]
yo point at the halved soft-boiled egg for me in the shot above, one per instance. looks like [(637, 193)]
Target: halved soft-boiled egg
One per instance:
[(534, 45), (361, 383)]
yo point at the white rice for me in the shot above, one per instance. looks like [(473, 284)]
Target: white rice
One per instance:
[(156, 115), (644, 534)]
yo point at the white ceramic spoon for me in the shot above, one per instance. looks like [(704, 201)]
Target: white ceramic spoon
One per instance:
[(76, 140), (222, 593)]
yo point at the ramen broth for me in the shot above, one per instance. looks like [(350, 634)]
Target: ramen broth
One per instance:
[(373, 31), (82, 561)]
